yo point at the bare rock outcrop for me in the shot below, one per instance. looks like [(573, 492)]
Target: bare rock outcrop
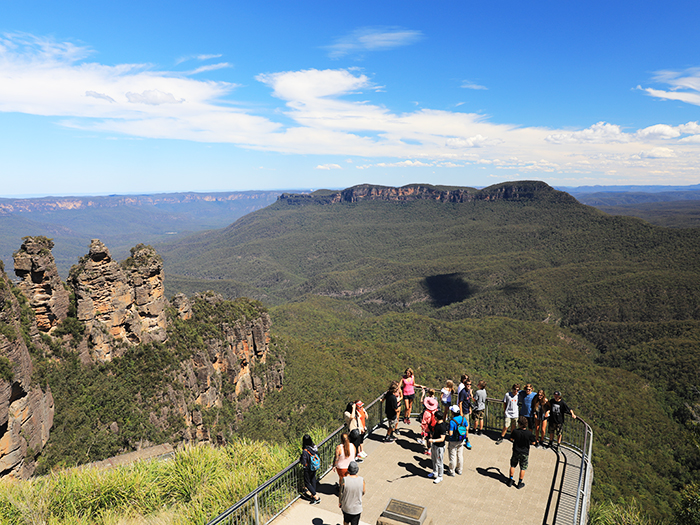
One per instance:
[(26, 411), (119, 304), (40, 282)]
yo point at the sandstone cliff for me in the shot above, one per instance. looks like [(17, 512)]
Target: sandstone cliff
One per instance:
[(40, 282), (216, 365), (524, 190), (26, 410), (121, 305)]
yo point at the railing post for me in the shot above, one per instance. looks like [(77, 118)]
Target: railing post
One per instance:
[(257, 511)]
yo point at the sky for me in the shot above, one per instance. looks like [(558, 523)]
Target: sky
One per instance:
[(148, 97)]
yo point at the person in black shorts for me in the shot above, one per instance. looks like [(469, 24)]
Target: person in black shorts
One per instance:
[(522, 439)]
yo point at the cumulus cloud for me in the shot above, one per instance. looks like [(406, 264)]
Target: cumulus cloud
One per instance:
[(152, 97), (658, 153), (328, 167), (600, 133), (372, 39)]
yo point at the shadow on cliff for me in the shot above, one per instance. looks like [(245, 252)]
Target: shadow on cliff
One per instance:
[(448, 288)]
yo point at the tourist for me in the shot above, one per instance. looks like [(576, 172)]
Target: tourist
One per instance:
[(525, 398), (309, 450), (522, 438), (362, 426), (344, 454), (465, 405), (427, 423), (350, 501), (391, 410), (510, 411), (557, 408), (539, 410), (456, 440), (408, 388), (478, 413), (462, 381), (352, 422), (437, 447), (446, 396)]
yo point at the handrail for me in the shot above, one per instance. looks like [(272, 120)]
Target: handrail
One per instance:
[(274, 496)]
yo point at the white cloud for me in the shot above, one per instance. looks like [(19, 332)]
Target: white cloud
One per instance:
[(328, 167), (600, 133), (327, 112), (373, 39), (684, 86), (471, 85), (211, 67), (102, 96), (152, 97), (658, 153)]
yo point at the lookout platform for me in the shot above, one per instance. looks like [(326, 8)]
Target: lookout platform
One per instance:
[(399, 470)]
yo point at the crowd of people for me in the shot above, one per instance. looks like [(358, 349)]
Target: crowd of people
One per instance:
[(447, 420), (447, 417)]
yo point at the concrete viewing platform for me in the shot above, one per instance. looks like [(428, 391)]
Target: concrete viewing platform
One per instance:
[(399, 470)]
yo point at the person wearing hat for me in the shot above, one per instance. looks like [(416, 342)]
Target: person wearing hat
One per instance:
[(437, 447), (350, 501), (455, 441), (428, 420), (557, 408)]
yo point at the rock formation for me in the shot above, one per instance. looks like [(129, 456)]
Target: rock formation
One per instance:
[(40, 282), (119, 304), (412, 192), (26, 411)]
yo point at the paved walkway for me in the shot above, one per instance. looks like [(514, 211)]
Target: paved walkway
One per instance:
[(480, 495)]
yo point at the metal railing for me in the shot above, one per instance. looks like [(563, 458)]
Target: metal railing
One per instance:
[(274, 496)]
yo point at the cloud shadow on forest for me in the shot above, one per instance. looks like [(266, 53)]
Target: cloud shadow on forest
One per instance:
[(449, 288)]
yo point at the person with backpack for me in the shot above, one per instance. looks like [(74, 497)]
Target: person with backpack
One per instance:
[(456, 437), (437, 447), (464, 406), (311, 463), (428, 420)]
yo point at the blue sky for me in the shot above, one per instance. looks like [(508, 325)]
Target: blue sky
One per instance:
[(144, 97)]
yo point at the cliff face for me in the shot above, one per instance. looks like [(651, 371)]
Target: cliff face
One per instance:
[(26, 411), (121, 305), (40, 282), (219, 356), (236, 366), (524, 190)]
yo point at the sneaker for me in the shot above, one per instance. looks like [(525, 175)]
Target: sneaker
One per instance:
[(363, 454), (450, 473), (458, 472), (537, 444), (427, 452), (521, 484), (420, 441), (499, 441), (437, 480), (510, 482), (468, 445), (431, 475), (358, 459), (316, 501)]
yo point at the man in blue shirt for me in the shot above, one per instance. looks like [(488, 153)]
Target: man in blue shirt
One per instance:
[(465, 405), (525, 398)]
